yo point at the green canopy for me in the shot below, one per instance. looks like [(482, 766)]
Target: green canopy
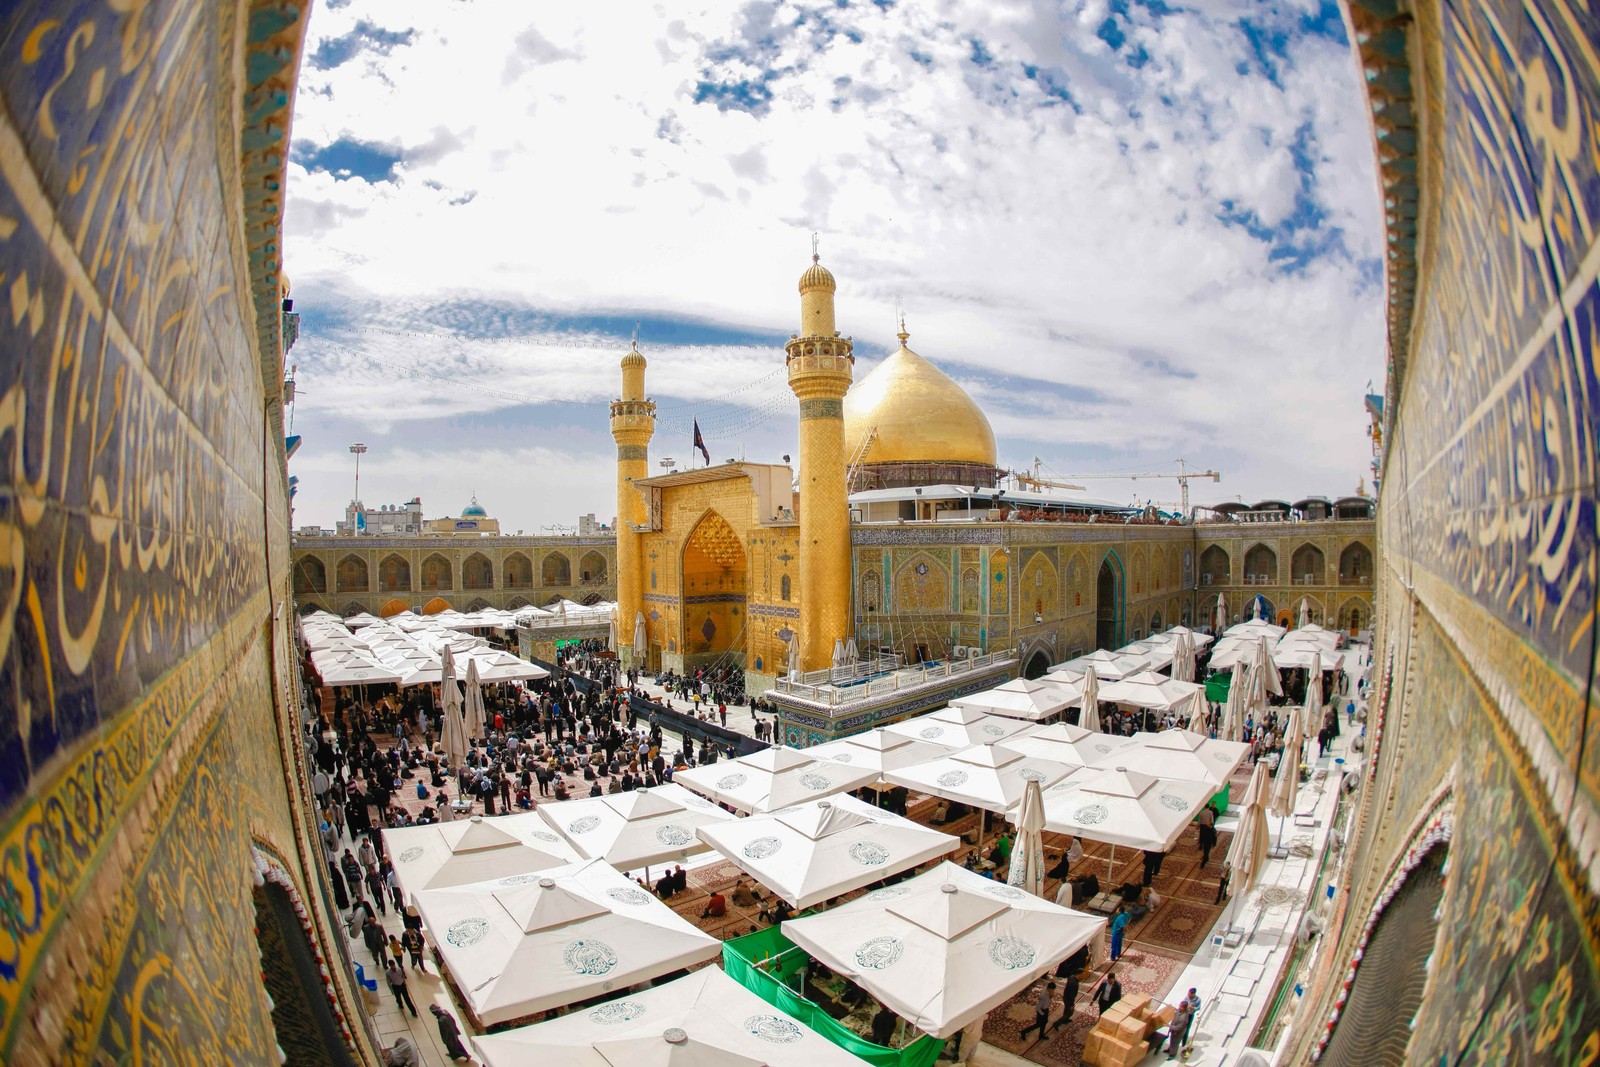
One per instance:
[(1217, 686), (765, 962)]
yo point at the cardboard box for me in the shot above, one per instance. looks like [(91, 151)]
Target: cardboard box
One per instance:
[(1135, 1004), (1091, 1048), (1163, 1015), (1116, 1013), (1115, 1052), (1133, 1028)]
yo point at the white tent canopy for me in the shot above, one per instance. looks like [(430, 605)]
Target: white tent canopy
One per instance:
[(957, 728), (530, 943), (1157, 654), (1148, 689), (1254, 628), (1107, 665), (635, 829), (704, 1019), (991, 777), (945, 948), (878, 749), (825, 848), (1020, 698), (355, 669), (1182, 754), (1067, 744), (1123, 807), (773, 778), (473, 850)]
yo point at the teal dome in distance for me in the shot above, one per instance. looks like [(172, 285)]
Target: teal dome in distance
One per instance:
[(474, 510)]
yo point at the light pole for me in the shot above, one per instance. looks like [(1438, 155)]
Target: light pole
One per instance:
[(357, 449)]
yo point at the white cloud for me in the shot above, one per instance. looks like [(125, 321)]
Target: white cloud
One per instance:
[(1040, 244)]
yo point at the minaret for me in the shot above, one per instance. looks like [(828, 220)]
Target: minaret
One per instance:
[(633, 423), (820, 362)]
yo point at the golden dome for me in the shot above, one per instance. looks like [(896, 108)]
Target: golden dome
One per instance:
[(921, 415), (817, 277), (634, 358)]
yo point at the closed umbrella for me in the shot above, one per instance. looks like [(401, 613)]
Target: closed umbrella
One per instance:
[(611, 633), (1027, 855), (640, 642), (838, 652), (794, 655), (1221, 622), (1286, 784), (851, 654), (1200, 722), (1089, 717), (1247, 852), (1305, 612), (453, 734), (477, 721), (1233, 708)]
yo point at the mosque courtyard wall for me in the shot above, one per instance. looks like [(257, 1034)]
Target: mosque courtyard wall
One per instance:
[(149, 775)]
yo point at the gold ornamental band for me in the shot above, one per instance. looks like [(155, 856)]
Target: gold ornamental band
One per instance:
[(821, 408), (633, 452)]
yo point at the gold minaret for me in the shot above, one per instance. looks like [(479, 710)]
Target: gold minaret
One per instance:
[(820, 362), (633, 423)]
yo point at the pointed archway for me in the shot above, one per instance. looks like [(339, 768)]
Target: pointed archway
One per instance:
[(715, 583), (1108, 606)]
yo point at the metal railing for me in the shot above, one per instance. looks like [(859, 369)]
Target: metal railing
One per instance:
[(843, 685)]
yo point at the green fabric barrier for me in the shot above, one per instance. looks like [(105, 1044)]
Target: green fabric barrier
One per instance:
[(741, 959), (1217, 687)]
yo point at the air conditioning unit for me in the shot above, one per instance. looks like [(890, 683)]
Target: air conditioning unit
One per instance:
[(964, 652)]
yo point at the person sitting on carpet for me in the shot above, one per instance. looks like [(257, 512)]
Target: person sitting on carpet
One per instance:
[(716, 907), (744, 896)]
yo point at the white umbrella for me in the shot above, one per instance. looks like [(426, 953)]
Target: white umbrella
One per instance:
[(991, 777), (531, 943), (1020, 698), (1286, 783), (1247, 852), (1200, 721), (1106, 665), (477, 721), (453, 735), (1314, 692), (957, 728), (944, 949), (1089, 719), (641, 643), (794, 654), (1123, 807), (1066, 744), (838, 652), (1150, 690), (437, 855), (1186, 755), (1233, 709), (704, 1019), (611, 633), (823, 849), (355, 669), (1220, 623), (1027, 854), (878, 749), (639, 828), (1255, 609), (851, 653), (1069, 683), (773, 778), (1305, 612)]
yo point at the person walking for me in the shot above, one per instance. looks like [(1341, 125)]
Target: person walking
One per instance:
[(1069, 1002), (397, 986), (411, 941), (397, 951), (449, 1033), (1119, 923), (1041, 1009), (1109, 993), (372, 936), (1208, 833)]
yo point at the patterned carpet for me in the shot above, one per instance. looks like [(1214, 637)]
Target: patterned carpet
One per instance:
[(1140, 970)]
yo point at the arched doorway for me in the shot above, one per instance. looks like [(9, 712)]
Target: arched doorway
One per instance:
[(518, 571), (302, 1019), (1038, 665), (1108, 603), (310, 576), (477, 572), (715, 579), (592, 567), (556, 570)]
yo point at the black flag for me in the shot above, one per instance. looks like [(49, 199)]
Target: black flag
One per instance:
[(700, 443)]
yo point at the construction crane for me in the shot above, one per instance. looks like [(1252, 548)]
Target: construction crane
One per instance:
[(1033, 480), (1183, 474)]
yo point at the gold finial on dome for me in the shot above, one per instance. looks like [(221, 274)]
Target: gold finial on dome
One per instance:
[(633, 357), (904, 337)]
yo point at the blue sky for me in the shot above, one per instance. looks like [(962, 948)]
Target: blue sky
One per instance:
[(1133, 230)]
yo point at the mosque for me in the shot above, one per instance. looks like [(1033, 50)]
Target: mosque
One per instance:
[(167, 893), (896, 536)]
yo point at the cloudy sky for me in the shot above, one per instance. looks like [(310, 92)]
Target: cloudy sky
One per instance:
[(1134, 230)]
